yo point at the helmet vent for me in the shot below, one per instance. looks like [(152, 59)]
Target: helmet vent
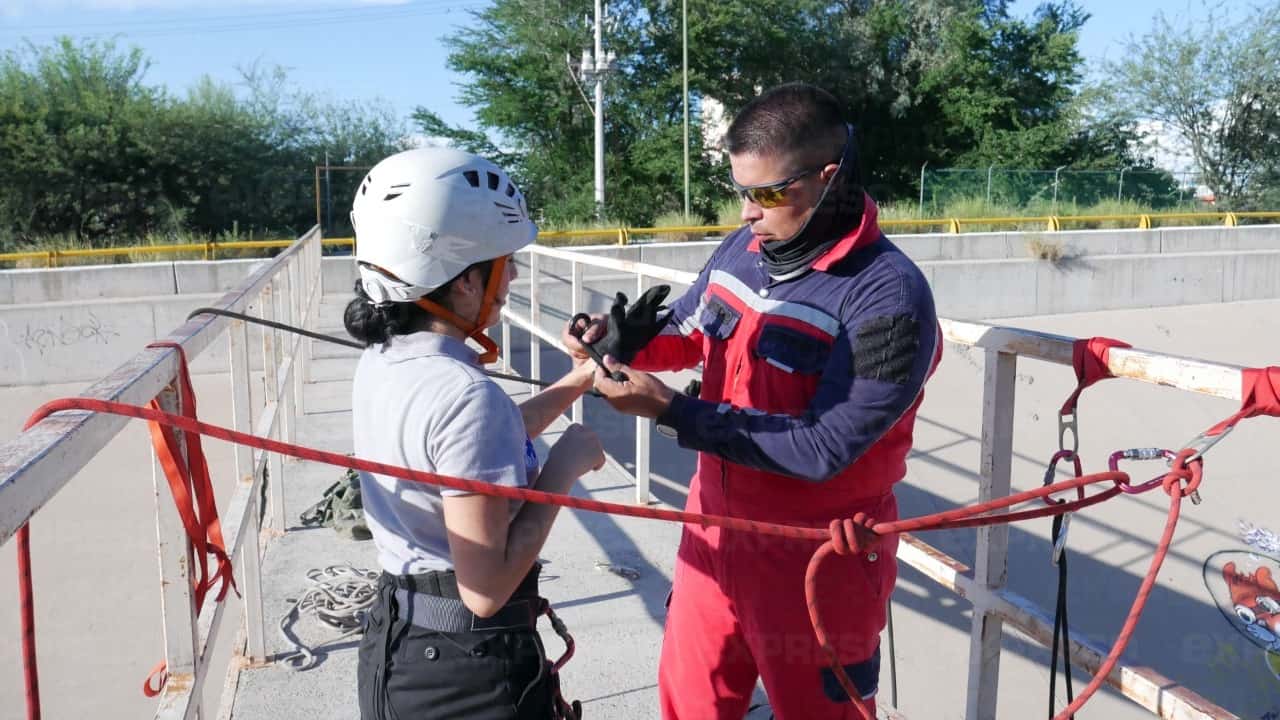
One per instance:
[(513, 215), (396, 191), (494, 181), (511, 190), (472, 177)]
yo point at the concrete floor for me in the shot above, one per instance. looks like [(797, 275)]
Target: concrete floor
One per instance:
[(96, 540)]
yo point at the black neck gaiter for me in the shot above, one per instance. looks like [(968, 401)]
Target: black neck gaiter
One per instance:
[(837, 213)]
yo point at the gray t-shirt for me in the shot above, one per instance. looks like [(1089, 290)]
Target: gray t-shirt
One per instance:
[(422, 402)]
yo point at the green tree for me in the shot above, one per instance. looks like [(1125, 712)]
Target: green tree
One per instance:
[(943, 81), (88, 149), (1216, 84), (76, 151), (534, 120)]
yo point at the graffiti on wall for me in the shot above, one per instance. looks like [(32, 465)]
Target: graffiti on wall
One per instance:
[(64, 333)]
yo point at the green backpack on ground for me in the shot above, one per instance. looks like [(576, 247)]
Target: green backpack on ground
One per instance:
[(341, 509)]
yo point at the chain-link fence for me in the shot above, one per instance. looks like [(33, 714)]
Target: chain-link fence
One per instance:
[(1052, 192)]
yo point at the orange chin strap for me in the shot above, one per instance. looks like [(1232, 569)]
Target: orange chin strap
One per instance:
[(473, 328)]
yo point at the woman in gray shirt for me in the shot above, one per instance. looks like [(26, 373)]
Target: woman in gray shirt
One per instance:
[(452, 634)]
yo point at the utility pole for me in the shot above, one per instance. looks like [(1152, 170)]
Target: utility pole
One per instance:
[(684, 51), (595, 68), (328, 192)]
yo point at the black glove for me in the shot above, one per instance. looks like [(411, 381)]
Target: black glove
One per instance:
[(631, 328)]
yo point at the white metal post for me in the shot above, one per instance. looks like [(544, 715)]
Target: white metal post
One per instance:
[(643, 428), (535, 319), (297, 307), (284, 351), (251, 582), (275, 468), (575, 307), (173, 548), (248, 564), (241, 397), (992, 557)]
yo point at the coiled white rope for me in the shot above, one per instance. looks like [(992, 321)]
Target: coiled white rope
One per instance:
[(339, 597)]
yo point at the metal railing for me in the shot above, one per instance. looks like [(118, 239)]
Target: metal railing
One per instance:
[(983, 586), (626, 235), (37, 464)]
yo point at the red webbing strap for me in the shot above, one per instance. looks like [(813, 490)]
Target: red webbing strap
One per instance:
[(1261, 396), (1089, 358), (193, 495)]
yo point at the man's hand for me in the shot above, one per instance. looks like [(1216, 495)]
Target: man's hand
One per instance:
[(641, 394), (598, 328)]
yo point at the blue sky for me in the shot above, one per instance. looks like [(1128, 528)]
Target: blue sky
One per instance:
[(390, 49)]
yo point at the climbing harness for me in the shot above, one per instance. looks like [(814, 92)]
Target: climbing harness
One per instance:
[(849, 536)]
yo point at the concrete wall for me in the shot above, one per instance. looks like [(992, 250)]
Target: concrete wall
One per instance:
[(94, 282), (77, 341), (186, 277), (49, 333), (1077, 243)]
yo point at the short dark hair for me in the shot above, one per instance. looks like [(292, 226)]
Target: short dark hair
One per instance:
[(797, 121)]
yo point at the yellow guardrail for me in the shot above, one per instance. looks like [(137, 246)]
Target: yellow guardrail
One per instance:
[(623, 235)]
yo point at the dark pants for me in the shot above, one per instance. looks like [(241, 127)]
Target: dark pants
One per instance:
[(411, 673)]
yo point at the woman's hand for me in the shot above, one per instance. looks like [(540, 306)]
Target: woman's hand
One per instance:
[(576, 453)]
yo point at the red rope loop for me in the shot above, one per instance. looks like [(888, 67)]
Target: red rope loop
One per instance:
[(156, 680), (854, 536), (1180, 472)]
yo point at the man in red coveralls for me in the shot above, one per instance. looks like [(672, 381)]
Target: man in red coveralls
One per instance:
[(816, 336)]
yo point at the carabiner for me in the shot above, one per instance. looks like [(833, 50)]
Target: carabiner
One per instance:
[(1202, 442), (1113, 463), (1052, 470)]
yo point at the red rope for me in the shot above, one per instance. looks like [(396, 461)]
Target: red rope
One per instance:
[(858, 538), (1089, 359), (852, 536)]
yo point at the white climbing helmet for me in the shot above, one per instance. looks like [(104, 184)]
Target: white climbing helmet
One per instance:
[(423, 216)]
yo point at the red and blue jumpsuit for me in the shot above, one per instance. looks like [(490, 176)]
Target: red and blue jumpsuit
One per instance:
[(810, 388)]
